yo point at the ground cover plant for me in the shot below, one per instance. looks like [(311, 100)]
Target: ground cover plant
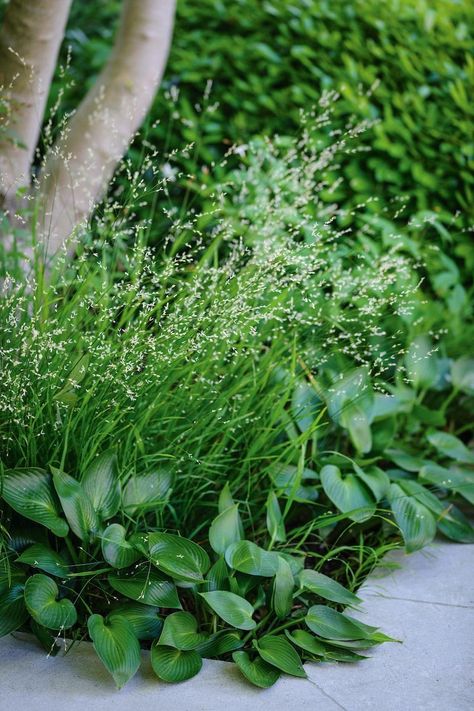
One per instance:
[(220, 415)]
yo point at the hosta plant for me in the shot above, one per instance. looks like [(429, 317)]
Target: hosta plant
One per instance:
[(76, 565)]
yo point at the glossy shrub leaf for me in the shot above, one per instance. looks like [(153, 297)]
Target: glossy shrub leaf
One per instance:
[(116, 645), (180, 631), (178, 557), (417, 524), (462, 374), (117, 551), (258, 672), (76, 505), (144, 619), (275, 521), (348, 493), (41, 598), (375, 479), (277, 651), (225, 529), (220, 643), (329, 624), (146, 491), (282, 590), (247, 557), (146, 586), (101, 485), (13, 612), (421, 362), (30, 492), (232, 608), (174, 665), (327, 588), (42, 557), (451, 447)]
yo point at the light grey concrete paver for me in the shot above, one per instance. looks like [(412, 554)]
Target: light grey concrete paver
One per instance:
[(427, 604)]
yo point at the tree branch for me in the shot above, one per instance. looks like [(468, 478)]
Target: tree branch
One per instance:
[(82, 162)]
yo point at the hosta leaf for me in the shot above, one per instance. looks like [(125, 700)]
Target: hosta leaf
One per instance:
[(327, 588), (317, 648), (421, 362), (329, 624), (13, 612), (101, 484), (146, 491), (42, 557), (174, 665), (275, 521), (76, 505), (305, 405), (217, 577), (416, 522), (258, 672), (220, 643), (277, 651), (46, 638), (247, 557), (30, 493), (451, 447), (357, 422), (293, 483), (454, 525), (455, 478), (405, 460), (233, 609), (41, 595), (282, 592), (117, 551), (180, 631), (146, 586), (352, 390), (10, 574), (225, 529), (178, 557), (375, 479), (225, 499), (350, 495), (116, 646), (144, 619), (462, 374)]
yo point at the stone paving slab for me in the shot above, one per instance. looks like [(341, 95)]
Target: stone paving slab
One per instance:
[(427, 603)]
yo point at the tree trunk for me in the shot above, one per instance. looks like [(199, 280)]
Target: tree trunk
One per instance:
[(82, 162), (30, 39)]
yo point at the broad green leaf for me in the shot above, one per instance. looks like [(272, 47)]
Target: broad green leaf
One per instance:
[(375, 478), (421, 362), (305, 405), (46, 638), (42, 557), (405, 460), (144, 619), (233, 609), (101, 485), (30, 493), (282, 589), (174, 665), (117, 551), (327, 588), (178, 557), (275, 521), (146, 586), (451, 447), (116, 646), (455, 478), (68, 393), (225, 499), (10, 574), (41, 598), (217, 577), (416, 522), (350, 495), (76, 505), (357, 422), (455, 525), (318, 648), (258, 672), (249, 558), (277, 651), (225, 529), (13, 612), (220, 643), (329, 624), (462, 374), (293, 483), (180, 631), (146, 491), (352, 390)]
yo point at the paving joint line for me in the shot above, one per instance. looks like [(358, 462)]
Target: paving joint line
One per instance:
[(328, 696), (424, 602)]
